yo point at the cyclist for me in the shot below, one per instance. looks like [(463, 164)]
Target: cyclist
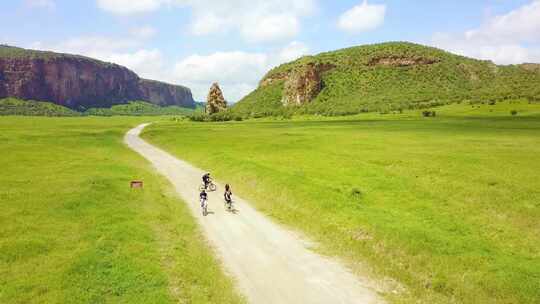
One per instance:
[(206, 180), (204, 197), (228, 196)]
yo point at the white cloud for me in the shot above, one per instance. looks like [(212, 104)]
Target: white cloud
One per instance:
[(511, 53), (505, 39), (221, 66), (363, 17), (237, 72), (293, 51), (522, 24), (89, 45), (147, 63), (255, 20), (207, 23), (144, 32), (47, 4), (127, 7), (126, 52), (271, 28)]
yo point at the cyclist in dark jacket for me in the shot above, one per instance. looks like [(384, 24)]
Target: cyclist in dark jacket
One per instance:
[(228, 195), (203, 196), (206, 180)]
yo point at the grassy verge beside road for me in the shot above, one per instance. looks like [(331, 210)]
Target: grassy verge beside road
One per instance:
[(74, 232), (447, 206)]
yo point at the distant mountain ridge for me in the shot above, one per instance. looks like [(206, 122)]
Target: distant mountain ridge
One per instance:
[(385, 77), (79, 82)]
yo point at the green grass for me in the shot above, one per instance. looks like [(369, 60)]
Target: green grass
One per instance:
[(139, 108), (446, 208), (18, 107), (13, 106), (72, 231), (356, 86)]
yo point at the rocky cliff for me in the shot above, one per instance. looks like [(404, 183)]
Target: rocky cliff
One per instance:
[(215, 102), (79, 82), (302, 84), (164, 94)]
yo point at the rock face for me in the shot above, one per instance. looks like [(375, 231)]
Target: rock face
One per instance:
[(532, 67), (301, 84), (215, 101), (304, 84), (164, 94), (79, 82)]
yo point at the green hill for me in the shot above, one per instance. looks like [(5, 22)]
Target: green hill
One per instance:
[(13, 106), (385, 77), (139, 108)]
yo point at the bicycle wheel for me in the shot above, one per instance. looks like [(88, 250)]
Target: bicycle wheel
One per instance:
[(212, 187)]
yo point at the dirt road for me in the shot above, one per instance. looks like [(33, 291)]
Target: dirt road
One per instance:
[(269, 263)]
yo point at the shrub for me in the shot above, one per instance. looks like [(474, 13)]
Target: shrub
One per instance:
[(198, 117), (356, 193), (514, 112), (429, 113)]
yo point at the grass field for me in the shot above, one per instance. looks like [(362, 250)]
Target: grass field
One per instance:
[(442, 210), (73, 232)]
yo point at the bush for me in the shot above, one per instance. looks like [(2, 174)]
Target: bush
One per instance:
[(429, 113), (14, 106), (198, 117), (513, 112)]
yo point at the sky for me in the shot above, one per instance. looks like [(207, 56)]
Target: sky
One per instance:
[(235, 42)]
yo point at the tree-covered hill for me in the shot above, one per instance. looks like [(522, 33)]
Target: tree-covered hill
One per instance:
[(385, 77)]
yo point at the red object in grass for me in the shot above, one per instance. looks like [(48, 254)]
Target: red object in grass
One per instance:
[(136, 184)]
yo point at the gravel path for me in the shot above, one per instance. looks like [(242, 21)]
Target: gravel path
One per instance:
[(269, 263)]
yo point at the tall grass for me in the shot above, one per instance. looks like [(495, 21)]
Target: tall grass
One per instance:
[(447, 207), (72, 231)]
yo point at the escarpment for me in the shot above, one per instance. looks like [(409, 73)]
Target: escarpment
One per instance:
[(79, 82)]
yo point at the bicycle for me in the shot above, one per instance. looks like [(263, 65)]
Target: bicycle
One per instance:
[(210, 187), (229, 205)]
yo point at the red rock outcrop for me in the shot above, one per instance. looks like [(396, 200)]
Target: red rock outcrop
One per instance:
[(164, 94), (532, 67), (215, 102), (304, 83), (79, 82)]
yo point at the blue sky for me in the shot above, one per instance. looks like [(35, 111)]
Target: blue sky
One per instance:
[(197, 42)]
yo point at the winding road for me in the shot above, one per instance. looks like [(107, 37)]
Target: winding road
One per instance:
[(269, 263)]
